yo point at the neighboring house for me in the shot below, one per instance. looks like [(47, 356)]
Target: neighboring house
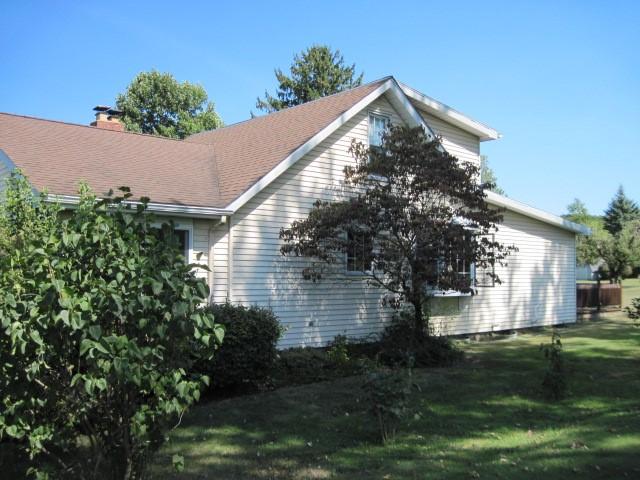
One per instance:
[(231, 190)]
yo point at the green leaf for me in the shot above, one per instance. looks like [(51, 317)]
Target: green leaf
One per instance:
[(156, 287), (85, 345), (64, 316), (35, 336), (218, 331), (178, 462), (95, 331)]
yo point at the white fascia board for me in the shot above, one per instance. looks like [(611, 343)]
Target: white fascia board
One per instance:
[(528, 211), (397, 98), (448, 114), (191, 211)]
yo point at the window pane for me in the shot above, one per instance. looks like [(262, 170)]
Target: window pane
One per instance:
[(377, 127), (359, 254)]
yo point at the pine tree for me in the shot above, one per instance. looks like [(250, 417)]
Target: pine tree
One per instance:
[(620, 211), (316, 72)]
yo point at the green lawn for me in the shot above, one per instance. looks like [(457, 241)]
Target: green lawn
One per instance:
[(482, 419)]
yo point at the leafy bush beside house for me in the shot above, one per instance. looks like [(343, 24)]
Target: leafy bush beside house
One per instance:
[(101, 321), (247, 358)]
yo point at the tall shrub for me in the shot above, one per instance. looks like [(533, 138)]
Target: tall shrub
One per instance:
[(101, 318)]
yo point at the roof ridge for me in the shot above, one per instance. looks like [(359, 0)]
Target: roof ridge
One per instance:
[(71, 124), (271, 114)]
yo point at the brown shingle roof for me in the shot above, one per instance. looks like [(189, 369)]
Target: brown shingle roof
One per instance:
[(208, 169), (247, 151)]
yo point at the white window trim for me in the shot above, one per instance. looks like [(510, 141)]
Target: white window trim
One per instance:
[(375, 114)]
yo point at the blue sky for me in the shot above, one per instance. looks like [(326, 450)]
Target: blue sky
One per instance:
[(560, 80)]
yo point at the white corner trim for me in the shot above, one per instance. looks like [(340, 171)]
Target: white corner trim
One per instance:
[(192, 211), (546, 217), (445, 112), (398, 99)]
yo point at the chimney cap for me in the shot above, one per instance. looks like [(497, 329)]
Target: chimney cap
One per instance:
[(101, 108), (115, 112)]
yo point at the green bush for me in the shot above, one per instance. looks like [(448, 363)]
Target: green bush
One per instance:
[(399, 345), (634, 309), (100, 322), (338, 350), (387, 392), (554, 383), (247, 358)]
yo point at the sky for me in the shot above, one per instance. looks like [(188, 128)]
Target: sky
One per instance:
[(560, 80)]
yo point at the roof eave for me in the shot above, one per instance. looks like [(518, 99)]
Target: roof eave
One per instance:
[(189, 211), (444, 112), (528, 211)]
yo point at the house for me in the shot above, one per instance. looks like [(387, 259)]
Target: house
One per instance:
[(231, 190)]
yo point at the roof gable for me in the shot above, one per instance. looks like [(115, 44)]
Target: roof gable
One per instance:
[(267, 146)]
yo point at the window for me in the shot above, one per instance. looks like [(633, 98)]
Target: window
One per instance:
[(182, 239), (359, 257), (457, 269), (377, 127)]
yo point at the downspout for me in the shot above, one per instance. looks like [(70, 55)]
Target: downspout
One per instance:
[(230, 258), (211, 257)]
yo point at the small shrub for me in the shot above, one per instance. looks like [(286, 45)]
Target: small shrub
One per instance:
[(634, 309), (338, 350), (302, 365), (247, 358), (555, 381), (399, 345), (387, 392)]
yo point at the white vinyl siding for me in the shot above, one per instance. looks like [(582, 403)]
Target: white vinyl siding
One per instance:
[(312, 312), (200, 246), (538, 285), (456, 141)]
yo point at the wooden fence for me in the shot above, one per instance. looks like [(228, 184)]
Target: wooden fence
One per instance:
[(606, 296)]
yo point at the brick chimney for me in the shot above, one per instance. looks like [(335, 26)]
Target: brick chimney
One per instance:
[(107, 118)]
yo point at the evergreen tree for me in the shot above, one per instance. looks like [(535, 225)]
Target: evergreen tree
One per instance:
[(621, 210), (316, 72)]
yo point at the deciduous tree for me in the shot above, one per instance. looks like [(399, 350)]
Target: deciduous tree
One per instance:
[(488, 177), (157, 104), (417, 217), (101, 322)]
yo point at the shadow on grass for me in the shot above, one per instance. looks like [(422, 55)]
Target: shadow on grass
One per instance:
[(485, 417)]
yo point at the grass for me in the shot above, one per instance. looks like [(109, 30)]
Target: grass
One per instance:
[(485, 418)]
